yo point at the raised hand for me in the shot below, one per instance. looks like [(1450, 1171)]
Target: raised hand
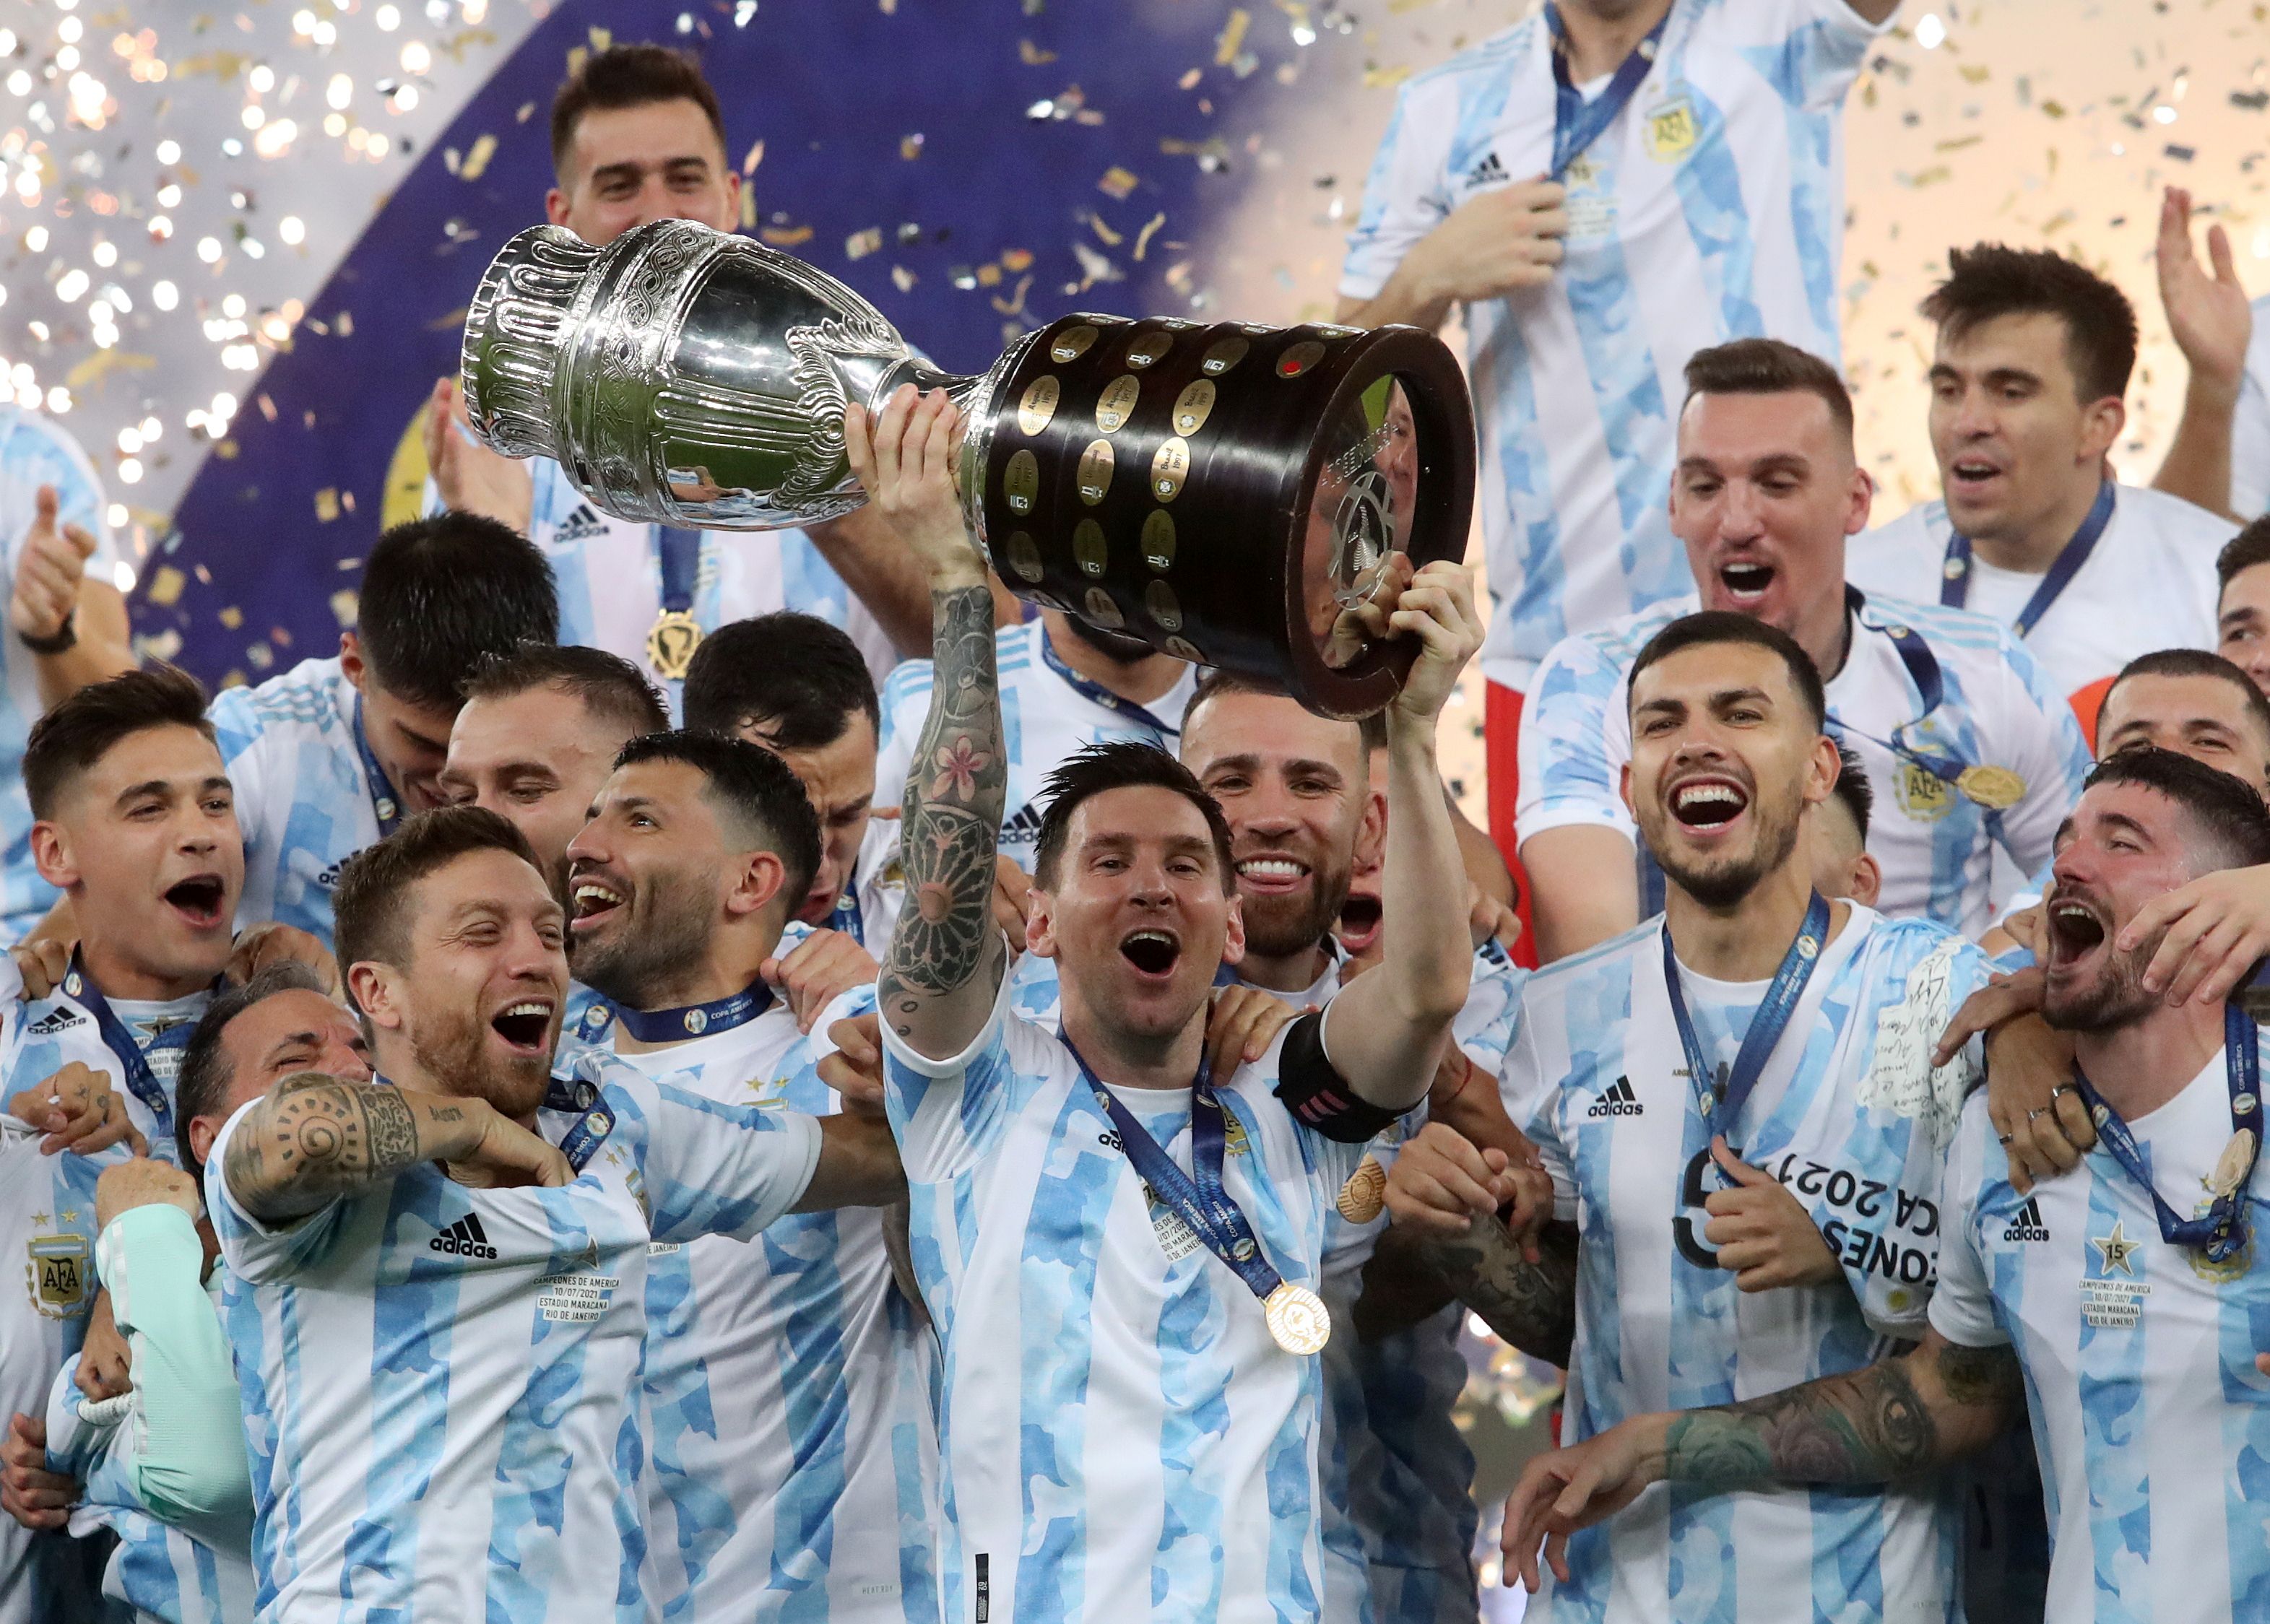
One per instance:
[(904, 459), (824, 966), (141, 1181), (2208, 312), (472, 478), (48, 571), (1438, 608)]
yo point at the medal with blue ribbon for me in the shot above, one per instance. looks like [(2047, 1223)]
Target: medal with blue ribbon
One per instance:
[(674, 636), (2221, 1232), (1298, 1321), (384, 802), (1088, 688), (132, 1057), (675, 1026), (1576, 123), (1997, 788), (579, 1097), (1955, 579), (1722, 1105)]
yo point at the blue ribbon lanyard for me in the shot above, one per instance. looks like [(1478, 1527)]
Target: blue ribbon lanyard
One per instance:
[(2222, 1231), (1576, 123), (848, 915), (679, 553), (1198, 1196), (675, 1026), (579, 1096), (80, 988), (1720, 1109), (1100, 695), (1954, 582), (383, 799), (1930, 688)]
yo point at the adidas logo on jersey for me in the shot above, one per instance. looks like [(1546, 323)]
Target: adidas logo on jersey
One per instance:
[(1618, 1100), (1490, 172), (2027, 1224), (463, 1239), (329, 879), (1024, 830), (579, 524), (53, 1021)]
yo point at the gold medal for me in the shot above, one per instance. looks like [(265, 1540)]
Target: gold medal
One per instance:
[(1997, 788), (670, 642), (1364, 1197), (2231, 1168), (1298, 1319)]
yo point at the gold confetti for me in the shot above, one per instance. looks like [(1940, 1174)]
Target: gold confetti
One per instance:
[(756, 155), (1386, 78), (98, 366), (1116, 182), (231, 616), (327, 504), (902, 279), (1143, 237), (859, 244), (1032, 55), (988, 276), (784, 236), (910, 147), (477, 161), (1232, 38), (166, 586), (346, 605), (1014, 260)]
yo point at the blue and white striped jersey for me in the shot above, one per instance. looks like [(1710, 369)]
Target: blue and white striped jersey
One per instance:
[(792, 1451), (47, 1213), (33, 451), (1935, 846), (1712, 208), (2150, 1420), (426, 1345), (200, 1571), (1043, 720), (1119, 1437), (1850, 1117), (40, 1036), (303, 797)]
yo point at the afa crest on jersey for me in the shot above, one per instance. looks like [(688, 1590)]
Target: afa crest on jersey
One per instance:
[(59, 1271)]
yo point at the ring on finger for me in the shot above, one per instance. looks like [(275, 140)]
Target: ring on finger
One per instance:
[(2063, 1089), (2004, 1139), (2039, 1110)]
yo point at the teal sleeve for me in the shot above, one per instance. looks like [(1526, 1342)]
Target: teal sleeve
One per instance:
[(187, 1442)]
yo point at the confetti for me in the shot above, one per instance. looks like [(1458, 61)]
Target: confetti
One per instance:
[(1232, 38), (859, 244), (165, 586), (327, 504), (1117, 183)]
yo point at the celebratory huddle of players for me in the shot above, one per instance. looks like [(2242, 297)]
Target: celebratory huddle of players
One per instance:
[(497, 1123)]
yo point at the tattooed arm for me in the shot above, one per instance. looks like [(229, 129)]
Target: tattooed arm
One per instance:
[(1530, 1304), (1896, 1417), (947, 957), (313, 1138)]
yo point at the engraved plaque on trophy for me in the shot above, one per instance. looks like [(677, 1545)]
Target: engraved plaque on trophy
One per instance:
[(1226, 492)]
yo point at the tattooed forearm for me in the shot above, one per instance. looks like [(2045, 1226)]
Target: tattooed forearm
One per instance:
[(1531, 1305), (956, 793), (1895, 1417), (314, 1139)]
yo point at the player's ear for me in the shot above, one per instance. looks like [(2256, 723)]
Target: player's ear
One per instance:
[(1623, 790), (377, 991), (51, 854), (759, 880), (1040, 924), (352, 666), (1232, 941), (1822, 770)]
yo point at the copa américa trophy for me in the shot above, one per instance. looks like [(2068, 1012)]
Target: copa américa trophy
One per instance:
[(1226, 492)]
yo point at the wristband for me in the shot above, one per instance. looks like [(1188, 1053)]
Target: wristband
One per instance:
[(64, 638)]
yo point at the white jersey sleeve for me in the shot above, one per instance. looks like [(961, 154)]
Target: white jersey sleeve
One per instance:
[(1963, 1304), (2249, 428), (255, 1250), (1575, 732), (709, 1169), (948, 1114), (1404, 197)]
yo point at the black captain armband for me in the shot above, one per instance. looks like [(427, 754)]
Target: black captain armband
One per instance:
[(1316, 1094)]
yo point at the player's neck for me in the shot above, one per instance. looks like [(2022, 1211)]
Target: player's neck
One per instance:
[(1747, 940), (117, 975), (2031, 548), (732, 965), (1289, 973), (1599, 45), (1129, 1060), (2140, 1067), (1136, 681), (1825, 632)]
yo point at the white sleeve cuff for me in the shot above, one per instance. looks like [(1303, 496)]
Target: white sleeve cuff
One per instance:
[(896, 1048)]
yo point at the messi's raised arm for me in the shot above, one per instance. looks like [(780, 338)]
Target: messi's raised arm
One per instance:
[(947, 956), (1385, 1033)]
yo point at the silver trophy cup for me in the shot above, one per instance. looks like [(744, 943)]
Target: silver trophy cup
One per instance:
[(1224, 493)]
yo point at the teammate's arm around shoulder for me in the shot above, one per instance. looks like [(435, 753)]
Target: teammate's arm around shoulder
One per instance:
[(312, 1139), (1386, 1033), (947, 959), (858, 1164)]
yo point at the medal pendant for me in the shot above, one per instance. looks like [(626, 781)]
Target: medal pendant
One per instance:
[(1364, 1197), (670, 642), (2231, 1168), (1298, 1320), (1997, 788)]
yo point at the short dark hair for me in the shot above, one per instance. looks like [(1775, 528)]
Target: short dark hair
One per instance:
[(2243, 552), (1218, 683), (205, 1074), (70, 739), (1770, 366), (2227, 810), (1723, 625), (2192, 662), (753, 789), (1992, 280), (628, 75), (793, 675), (440, 594), (1126, 764), (369, 912), (607, 686), (1854, 790)]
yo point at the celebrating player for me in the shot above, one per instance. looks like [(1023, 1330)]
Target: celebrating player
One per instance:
[(2116, 1304)]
